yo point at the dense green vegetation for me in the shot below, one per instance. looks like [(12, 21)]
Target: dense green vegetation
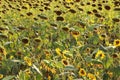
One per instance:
[(59, 39)]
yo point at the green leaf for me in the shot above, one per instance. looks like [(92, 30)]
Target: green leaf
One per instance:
[(105, 77), (37, 69), (108, 62), (116, 70), (59, 65), (97, 61), (88, 59), (69, 68), (8, 78), (46, 61)]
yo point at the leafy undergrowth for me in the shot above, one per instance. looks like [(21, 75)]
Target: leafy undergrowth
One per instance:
[(59, 39)]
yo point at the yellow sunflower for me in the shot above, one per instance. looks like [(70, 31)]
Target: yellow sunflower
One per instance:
[(1, 76), (91, 76), (65, 62), (69, 1), (100, 54), (3, 51), (75, 34), (58, 51), (49, 77), (116, 43), (27, 71), (28, 61), (82, 72)]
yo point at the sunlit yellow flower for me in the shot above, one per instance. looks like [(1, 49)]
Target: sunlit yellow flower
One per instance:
[(53, 70), (89, 64), (65, 62), (91, 76), (58, 51), (11, 57), (3, 51), (98, 66), (110, 74), (116, 43), (49, 77), (100, 54), (75, 34), (69, 1), (70, 77), (47, 53), (27, 71), (28, 61), (1, 76), (64, 53), (82, 72)]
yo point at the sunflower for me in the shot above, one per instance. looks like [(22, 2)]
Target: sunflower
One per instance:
[(1, 76), (68, 1), (25, 40), (49, 77), (53, 70), (110, 74), (82, 72), (47, 53), (91, 76), (3, 51), (27, 71), (75, 34), (116, 43), (28, 61), (58, 51), (100, 54), (65, 62)]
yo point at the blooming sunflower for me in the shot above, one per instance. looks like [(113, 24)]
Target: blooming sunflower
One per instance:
[(28, 61), (100, 54), (1, 76), (91, 76), (75, 34), (3, 51), (27, 71), (82, 72), (65, 62), (58, 51), (69, 1), (116, 43)]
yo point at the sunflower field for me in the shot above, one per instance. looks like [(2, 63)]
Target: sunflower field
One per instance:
[(59, 40)]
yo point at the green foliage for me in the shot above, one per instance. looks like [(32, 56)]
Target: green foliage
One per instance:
[(59, 39)]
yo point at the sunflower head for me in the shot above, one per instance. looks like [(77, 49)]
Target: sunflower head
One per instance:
[(28, 61), (2, 51), (68, 1), (116, 43), (58, 51), (27, 71), (100, 54), (65, 62), (1, 76), (75, 33), (91, 76), (82, 72)]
